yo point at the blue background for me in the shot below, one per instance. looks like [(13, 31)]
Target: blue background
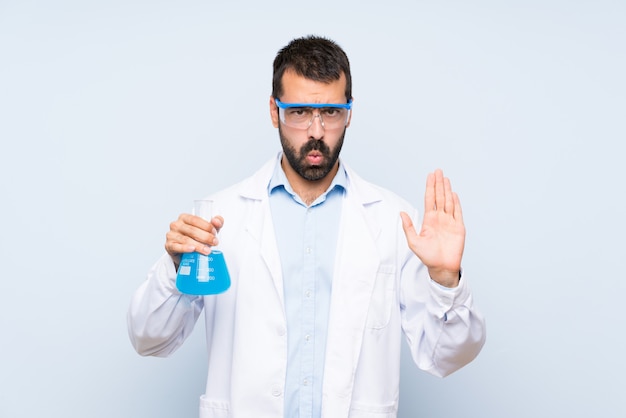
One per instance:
[(115, 115)]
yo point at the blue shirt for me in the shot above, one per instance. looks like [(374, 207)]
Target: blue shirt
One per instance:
[(307, 241)]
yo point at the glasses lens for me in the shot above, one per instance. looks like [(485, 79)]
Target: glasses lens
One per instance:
[(302, 117)]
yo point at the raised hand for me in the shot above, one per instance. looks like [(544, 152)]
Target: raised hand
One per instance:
[(441, 240)]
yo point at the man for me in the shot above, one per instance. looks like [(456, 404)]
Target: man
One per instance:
[(327, 270)]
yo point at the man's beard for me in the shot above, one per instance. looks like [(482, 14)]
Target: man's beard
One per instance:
[(297, 161)]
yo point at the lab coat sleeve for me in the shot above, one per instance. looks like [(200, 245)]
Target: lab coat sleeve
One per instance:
[(160, 318), (443, 328)]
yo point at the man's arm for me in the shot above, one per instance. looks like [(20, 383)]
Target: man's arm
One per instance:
[(159, 317), (444, 329)]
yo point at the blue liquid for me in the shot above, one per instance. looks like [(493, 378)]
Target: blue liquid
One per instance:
[(203, 274)]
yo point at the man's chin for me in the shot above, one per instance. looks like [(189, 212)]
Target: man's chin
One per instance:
[(314, 173)]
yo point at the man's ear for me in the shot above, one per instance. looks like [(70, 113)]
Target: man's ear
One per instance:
[(274, 112)]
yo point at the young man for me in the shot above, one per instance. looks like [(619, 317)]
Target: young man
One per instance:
[(327, 270)]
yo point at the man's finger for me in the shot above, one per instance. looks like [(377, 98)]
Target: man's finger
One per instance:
[(449, 205), (440, 195)]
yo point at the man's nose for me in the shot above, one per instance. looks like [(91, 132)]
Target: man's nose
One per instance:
[(316, 128)]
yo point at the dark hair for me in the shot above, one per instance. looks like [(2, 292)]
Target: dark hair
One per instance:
[(312, 57)]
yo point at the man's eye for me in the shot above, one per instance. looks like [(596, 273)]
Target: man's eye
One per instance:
[(297, 111), (332, 112)]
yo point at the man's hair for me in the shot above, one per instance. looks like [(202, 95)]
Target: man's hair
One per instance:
[(312, 57)]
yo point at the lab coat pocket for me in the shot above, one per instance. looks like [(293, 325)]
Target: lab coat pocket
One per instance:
[(359, 410), (382, 298), (210, 408)]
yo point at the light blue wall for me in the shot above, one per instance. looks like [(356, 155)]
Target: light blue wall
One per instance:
[(115, 115)]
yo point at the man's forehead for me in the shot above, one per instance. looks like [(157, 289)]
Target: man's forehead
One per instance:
[(297, 85)]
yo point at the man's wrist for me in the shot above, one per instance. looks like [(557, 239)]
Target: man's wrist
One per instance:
[(448, 279)]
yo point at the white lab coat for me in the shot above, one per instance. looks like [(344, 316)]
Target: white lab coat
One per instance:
[(380, 288)]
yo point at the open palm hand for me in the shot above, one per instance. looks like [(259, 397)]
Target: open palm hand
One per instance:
[(441, 241)]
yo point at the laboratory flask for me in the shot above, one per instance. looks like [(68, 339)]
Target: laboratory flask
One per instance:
[(200, 274)]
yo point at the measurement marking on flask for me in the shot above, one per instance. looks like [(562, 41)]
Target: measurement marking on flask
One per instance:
[(203, 275)]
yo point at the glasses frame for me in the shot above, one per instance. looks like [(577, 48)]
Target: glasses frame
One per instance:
[(283, 106)]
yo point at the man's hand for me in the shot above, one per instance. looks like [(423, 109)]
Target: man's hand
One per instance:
[(441, 241), (191, 233)]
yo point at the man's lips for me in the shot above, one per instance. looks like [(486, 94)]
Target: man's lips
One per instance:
[(315, 158)]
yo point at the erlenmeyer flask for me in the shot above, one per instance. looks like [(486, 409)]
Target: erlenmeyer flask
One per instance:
[(200, 274)]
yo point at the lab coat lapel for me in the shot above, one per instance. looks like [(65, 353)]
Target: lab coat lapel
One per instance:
[(356, 265), (260, 225)]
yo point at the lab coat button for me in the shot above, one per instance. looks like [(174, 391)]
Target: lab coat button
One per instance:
[(277, 390), (281, 331)]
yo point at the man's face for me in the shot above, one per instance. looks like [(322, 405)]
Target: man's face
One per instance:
[(312, 153)]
